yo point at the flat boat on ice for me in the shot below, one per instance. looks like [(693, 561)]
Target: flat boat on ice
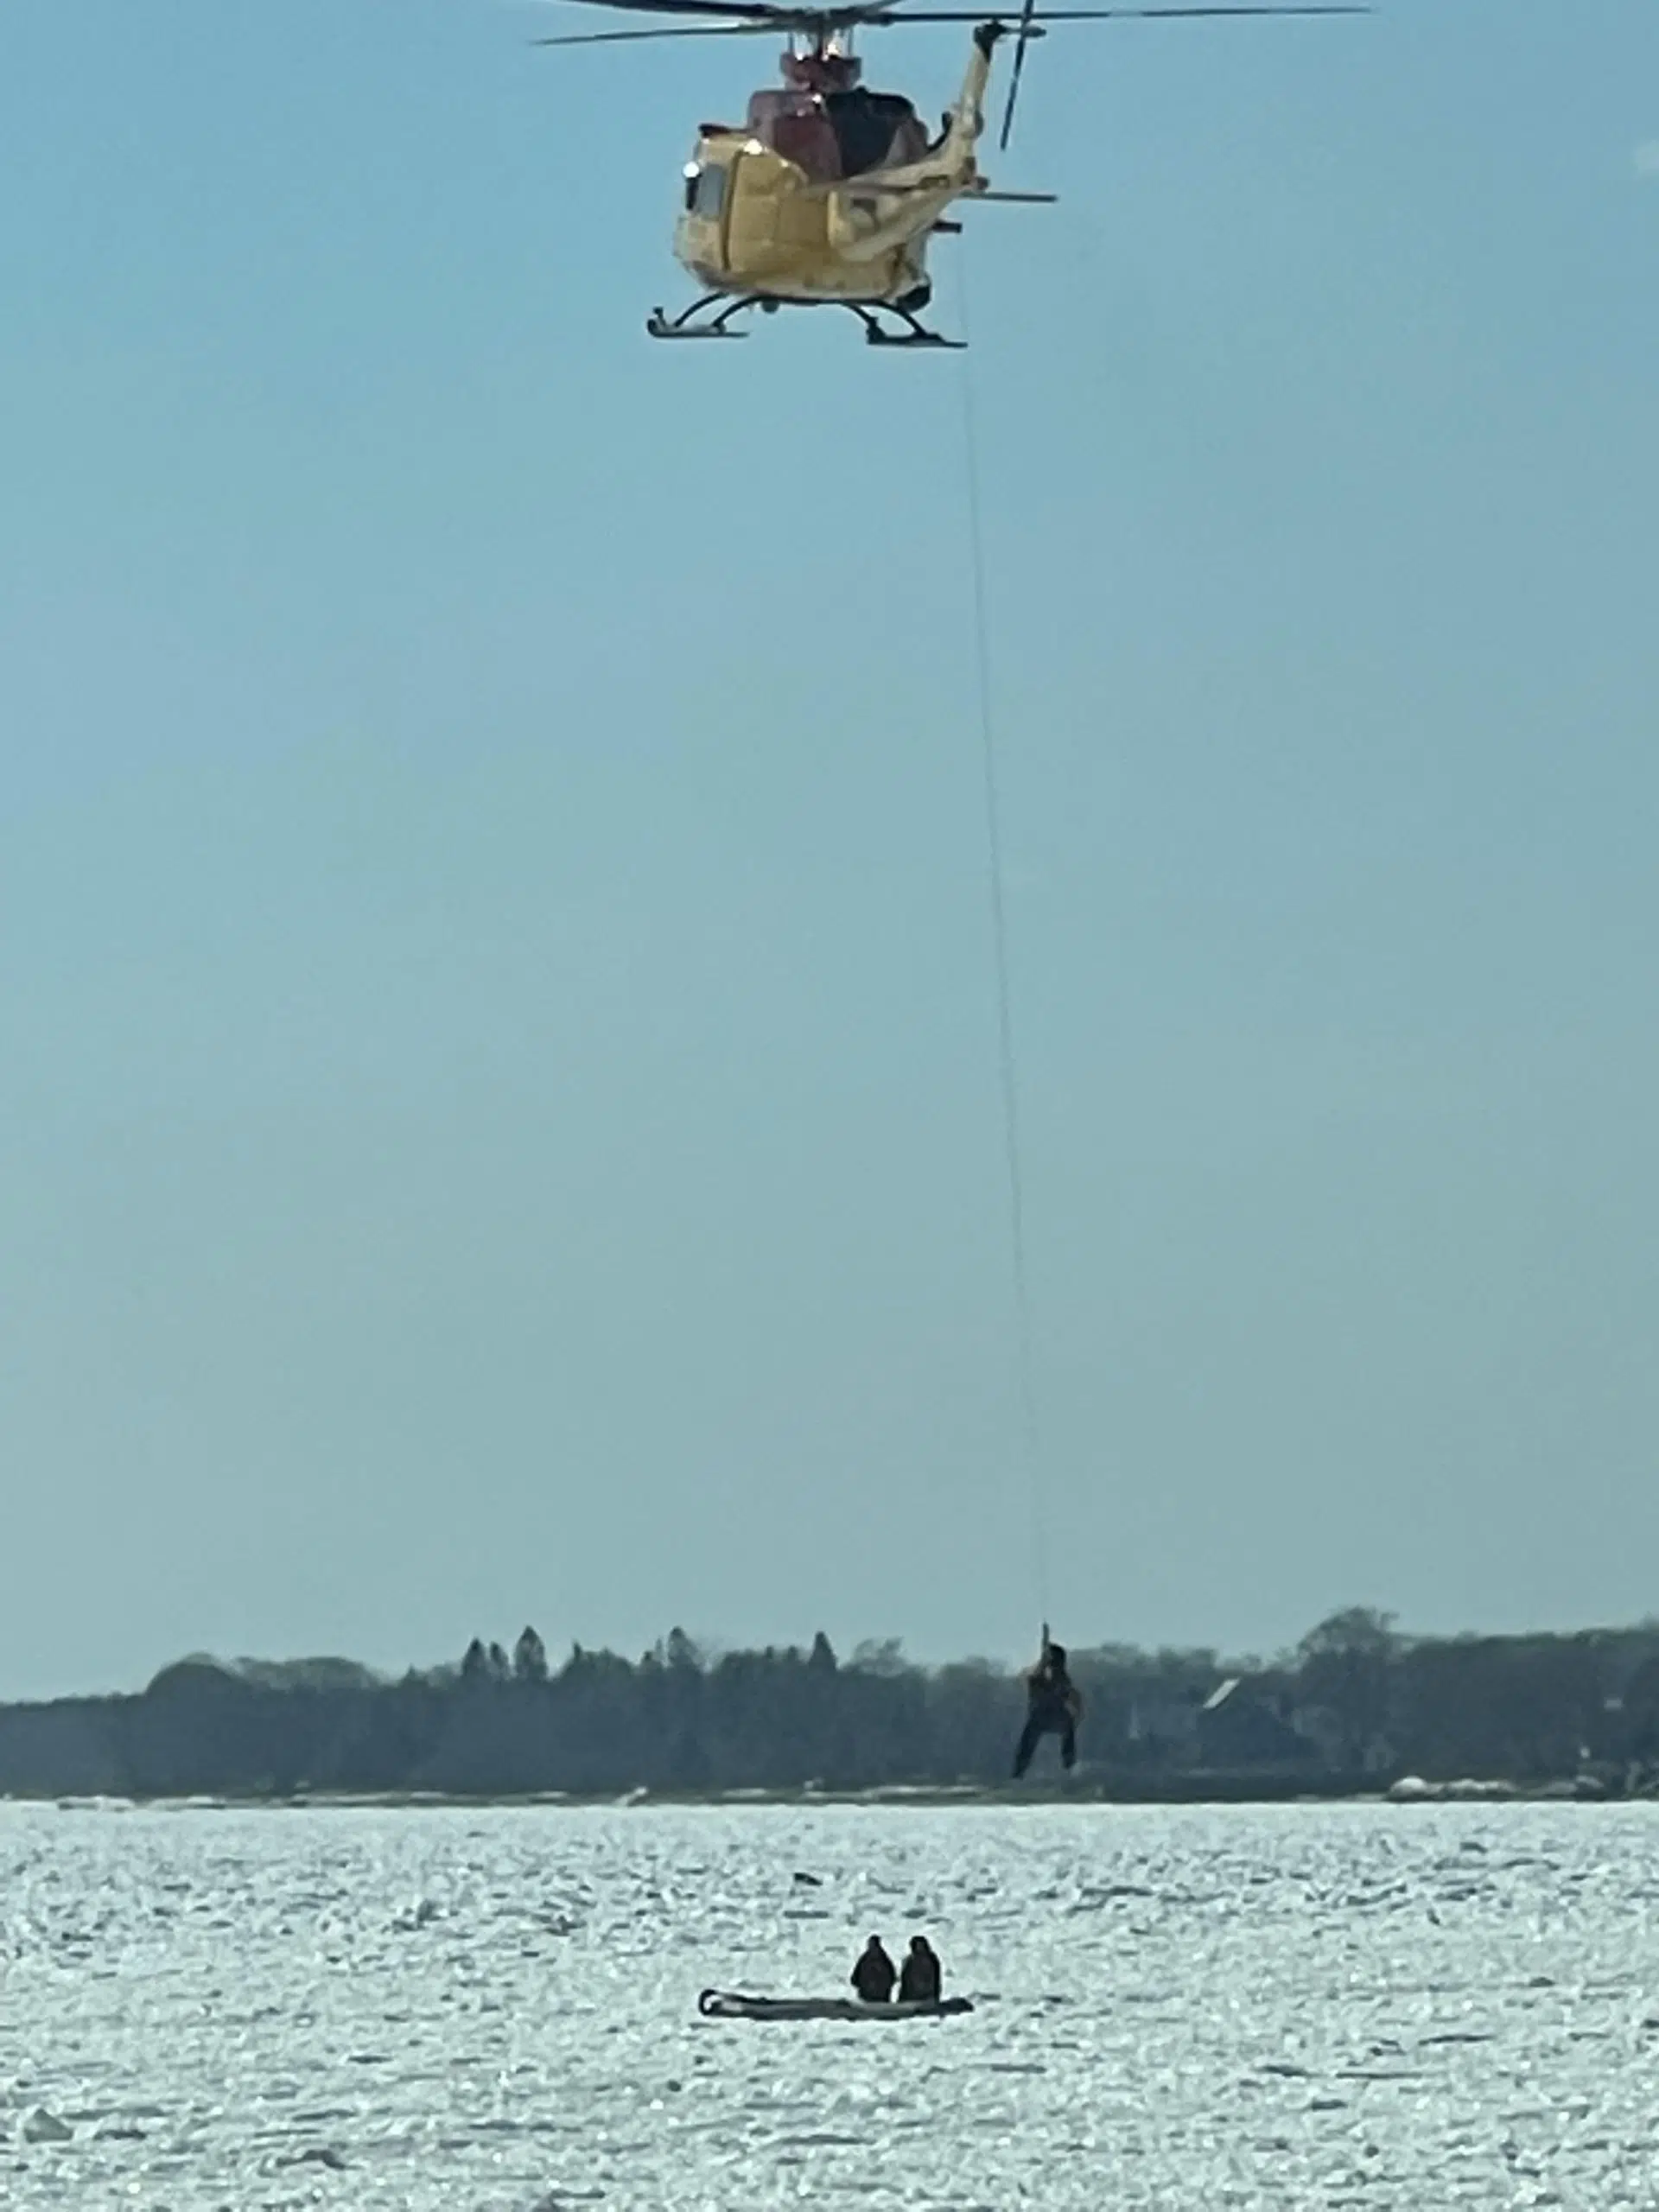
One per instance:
[(731, 2004)]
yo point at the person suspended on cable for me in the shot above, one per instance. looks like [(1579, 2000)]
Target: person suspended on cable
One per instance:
[(1053, 1708)]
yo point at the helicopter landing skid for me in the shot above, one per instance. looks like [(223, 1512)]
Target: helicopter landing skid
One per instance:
[(696, 321), (687, 324), (911, 334)]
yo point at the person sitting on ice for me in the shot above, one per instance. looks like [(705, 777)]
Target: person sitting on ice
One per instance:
[(1052, 1709), (923, 1976), (874, 1975)]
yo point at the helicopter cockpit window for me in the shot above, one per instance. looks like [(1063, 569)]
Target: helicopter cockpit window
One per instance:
[(705, 192)]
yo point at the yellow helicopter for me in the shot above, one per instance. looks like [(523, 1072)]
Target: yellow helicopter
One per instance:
[(829, 194)]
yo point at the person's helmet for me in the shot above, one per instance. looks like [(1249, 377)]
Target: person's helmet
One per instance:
[(1057, 1654)]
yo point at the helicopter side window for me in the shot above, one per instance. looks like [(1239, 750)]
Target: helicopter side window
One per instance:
[(866, 126), (705, 192)]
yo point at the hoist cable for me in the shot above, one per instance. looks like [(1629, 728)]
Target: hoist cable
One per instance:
[(1030, 1429)]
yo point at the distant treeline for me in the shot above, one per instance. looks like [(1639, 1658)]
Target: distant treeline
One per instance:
[(1356, 1705)]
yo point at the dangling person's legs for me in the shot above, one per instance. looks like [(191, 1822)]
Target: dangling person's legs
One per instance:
[(1030, 1736)]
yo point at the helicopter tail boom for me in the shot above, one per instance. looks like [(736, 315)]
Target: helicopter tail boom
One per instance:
[(880, 211)]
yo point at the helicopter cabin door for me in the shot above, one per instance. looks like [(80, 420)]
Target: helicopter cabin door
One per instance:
[(701, 242)]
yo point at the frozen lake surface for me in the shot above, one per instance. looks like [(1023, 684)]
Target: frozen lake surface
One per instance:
[(494, 2011)]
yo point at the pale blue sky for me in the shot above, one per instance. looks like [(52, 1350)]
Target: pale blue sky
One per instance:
[(498, 1116)]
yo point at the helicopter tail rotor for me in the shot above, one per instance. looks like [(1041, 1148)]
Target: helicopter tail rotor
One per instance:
[(1029, 29)]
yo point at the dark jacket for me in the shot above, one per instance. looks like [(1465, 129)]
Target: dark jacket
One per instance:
[(874, 1975), (920, 1981), (1051, 1691)]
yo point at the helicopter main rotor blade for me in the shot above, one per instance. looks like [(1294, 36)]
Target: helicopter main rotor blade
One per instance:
[(757, 15), (748, 18), (891, 18), (667, 31)]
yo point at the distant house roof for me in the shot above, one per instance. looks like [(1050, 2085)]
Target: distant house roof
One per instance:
[(1162, 1716), (1219, 1695)]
